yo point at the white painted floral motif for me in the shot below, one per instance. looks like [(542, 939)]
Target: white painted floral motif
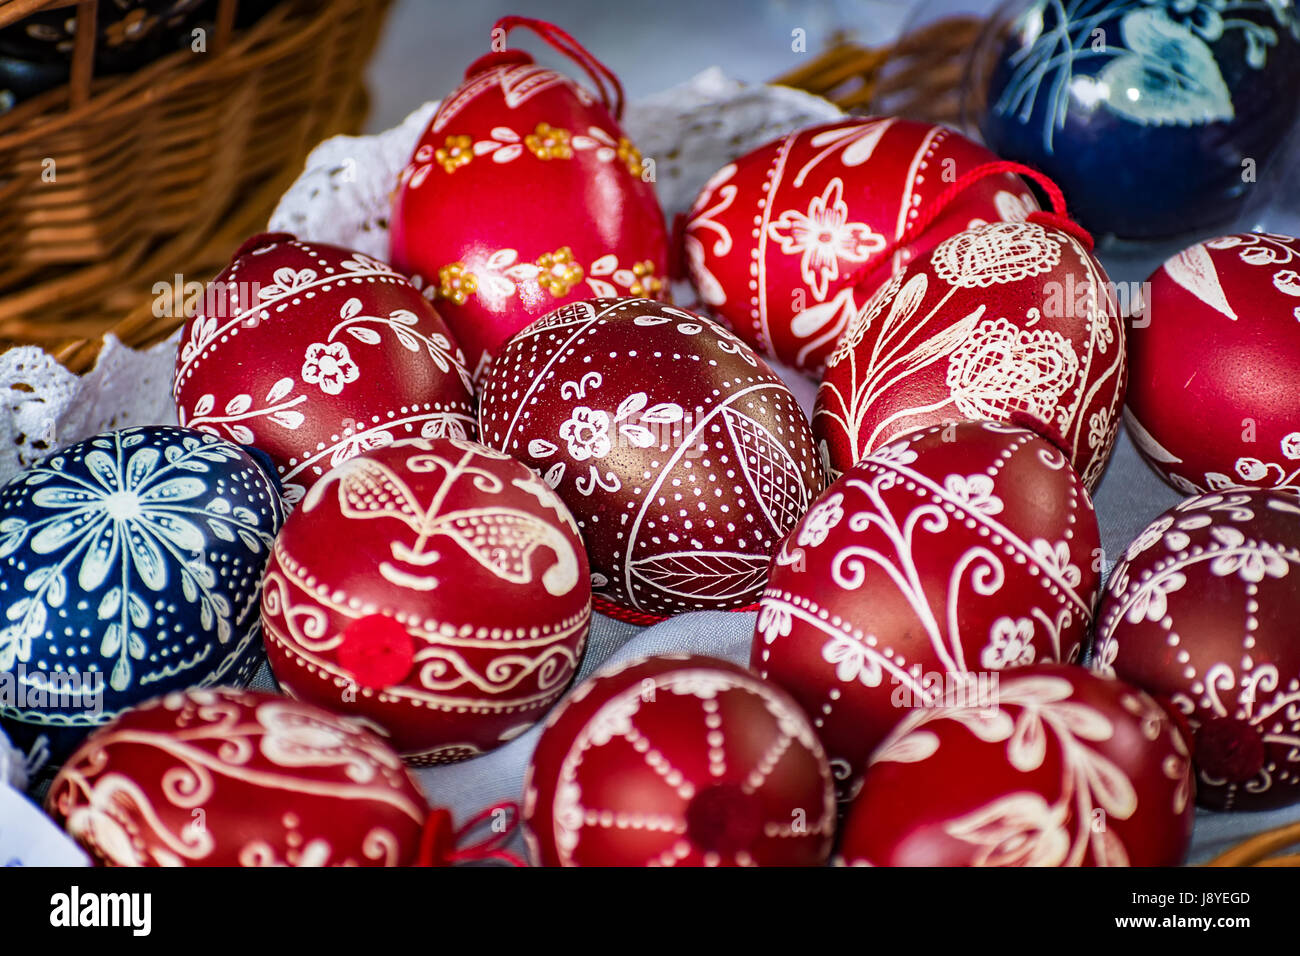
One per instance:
[(329, 366), (821, 521), (997, 254), (823, 237), (1011, 644)]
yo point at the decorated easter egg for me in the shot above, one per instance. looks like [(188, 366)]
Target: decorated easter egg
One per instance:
[(789, 242), (928, 568), (1057, 767), (223, 777), (1212, 402), (1201, 612), (1156, 118), (684, 458), (678, 760), (524, 194), (1010, 322), (315, 353), (130, 565), (437, 589)]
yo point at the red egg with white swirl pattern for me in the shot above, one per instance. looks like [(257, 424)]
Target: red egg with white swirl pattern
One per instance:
[(678, 760), (785, 243), (1200, 611), (682, 455), (436, 588), (1057, 767), (224, 777), (952, 555)]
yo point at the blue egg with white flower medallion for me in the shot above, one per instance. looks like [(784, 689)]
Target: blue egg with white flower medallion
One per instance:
[(130, 565), (1156, 117)]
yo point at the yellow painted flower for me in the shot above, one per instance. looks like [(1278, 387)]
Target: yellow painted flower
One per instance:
[(629, 155), (455, 283), (455, 154), (646, 284), (559, 272), (547, 142)]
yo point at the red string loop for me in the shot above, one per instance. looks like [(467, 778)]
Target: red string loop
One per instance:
[(607, 83), (441, 843)]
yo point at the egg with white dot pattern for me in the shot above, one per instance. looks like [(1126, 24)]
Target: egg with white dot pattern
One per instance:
[(1200, 611), (682, 455), (678, 760), (315, 353), (926, 569), (130, 565)]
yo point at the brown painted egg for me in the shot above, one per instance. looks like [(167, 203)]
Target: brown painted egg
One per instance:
[(947, 557), (789, 242), (227, 777), (1010, 322), (678, 760), (436, 588), (1056, 767), (1215, 357), (1201, 611), (315, 353), (684, 458)]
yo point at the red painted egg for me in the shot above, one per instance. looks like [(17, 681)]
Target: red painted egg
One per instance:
[(1201, 611), (314, 353), (1010, 322), (684, 458), (776, 239), (524, 194), (951, 555), (1058, 767), (226, 777), (437, 589), (679, 760), (1212, 403)]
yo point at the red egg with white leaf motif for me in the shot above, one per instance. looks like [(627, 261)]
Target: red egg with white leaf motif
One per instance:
[(523, 194), (785, 244), (946, 558), (314, 353), (678, 760), (1057, 767), (437, 589), (1013, 322)]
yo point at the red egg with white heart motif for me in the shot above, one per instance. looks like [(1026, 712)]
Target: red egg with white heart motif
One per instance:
[(1057, 767), (524, 194), (313, 353), (678, 760), (225, 777), (785, 243), (1011, 322), (682, 455), (1201, 611), (436, 588), (954, 554), (1216, 354)]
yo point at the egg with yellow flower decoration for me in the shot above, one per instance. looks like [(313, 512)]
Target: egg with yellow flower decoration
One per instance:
[(524, 194)]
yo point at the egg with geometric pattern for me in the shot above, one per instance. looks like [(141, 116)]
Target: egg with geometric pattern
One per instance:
[(130, 565)]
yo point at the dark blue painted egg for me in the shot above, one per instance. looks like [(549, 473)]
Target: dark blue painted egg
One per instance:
[(1156, 117), (130, 566)]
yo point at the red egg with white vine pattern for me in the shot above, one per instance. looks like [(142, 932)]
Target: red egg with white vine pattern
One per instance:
[(1057, 767), (314, 353), (678, 760), (954, 554), (785, 243)]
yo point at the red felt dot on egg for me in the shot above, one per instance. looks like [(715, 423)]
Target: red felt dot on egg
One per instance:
[(377, 650)]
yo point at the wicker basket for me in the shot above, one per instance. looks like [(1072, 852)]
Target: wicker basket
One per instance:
[(163, 171)]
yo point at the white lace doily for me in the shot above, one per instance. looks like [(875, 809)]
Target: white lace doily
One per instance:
[(343, 197)]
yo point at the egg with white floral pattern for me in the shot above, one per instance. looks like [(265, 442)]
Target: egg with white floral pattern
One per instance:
[(1201, 612), (1048, 766), (314, 354), (130, 565), (682, 455), (954, 554), (224, 777)]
